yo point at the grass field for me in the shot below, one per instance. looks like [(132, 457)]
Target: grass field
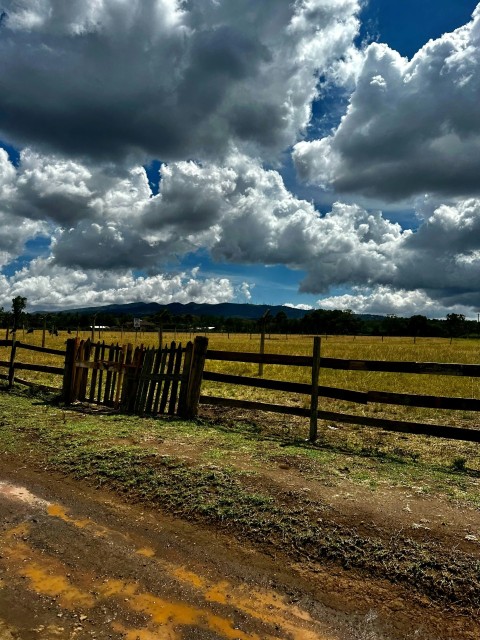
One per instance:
[(254, 473), (368, 348), (325, 504)]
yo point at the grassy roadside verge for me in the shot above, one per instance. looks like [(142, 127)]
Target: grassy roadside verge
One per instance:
[(206, 472)]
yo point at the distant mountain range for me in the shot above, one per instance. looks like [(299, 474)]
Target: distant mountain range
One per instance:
[(224, 310)]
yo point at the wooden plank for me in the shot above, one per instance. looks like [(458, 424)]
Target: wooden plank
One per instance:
[(161, 378), (69, 371), (291, 387), (415, 428), (432, 402), (359, 397), (143, 382), (153, 380), (125, 393), (104, 366), (176, 379), (314, 388), (116, 358), (93, 379), (118, 392), (267, 358), (26, 366), (428, 368), (166, 384), (187, 363), (108, 377), (87, 349), (200, 346), (247, 381), (100, 373), (259, 406), (11, 365), (134, 375), (77, 372), (31, 347)]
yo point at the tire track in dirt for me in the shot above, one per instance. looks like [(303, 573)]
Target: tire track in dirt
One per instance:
[(80, 578)]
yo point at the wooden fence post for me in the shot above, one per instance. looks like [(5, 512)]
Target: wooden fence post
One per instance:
[(262, 351), (82, 389), (200, 346), (69, 370), (132, 379), (187, 365), (11, 368), (314, 397), (263, 327)]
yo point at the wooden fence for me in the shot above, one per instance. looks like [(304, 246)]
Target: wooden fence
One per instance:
[(13, 365), (141, 380), (168, 380), (315, 363)]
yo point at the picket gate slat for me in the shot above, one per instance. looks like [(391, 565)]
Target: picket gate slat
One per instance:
[(154, 383), (158, 392), (93, 381), (166, 384), (176, 379)]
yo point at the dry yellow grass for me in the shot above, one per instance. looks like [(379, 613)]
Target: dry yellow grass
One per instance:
[(368, 348)]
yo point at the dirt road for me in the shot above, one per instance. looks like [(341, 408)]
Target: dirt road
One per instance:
[(82, 564)]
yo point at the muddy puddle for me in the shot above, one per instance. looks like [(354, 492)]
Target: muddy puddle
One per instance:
[(66, 575)]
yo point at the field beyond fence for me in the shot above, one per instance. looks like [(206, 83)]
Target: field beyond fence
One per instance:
[(361, 380)]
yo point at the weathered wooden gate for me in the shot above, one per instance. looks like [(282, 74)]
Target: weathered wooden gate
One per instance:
[(136, 380)]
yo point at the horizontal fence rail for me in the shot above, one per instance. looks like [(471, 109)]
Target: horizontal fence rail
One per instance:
[(13, 364), (429, 368), (258, 358), (416, 428), (168, 380), (356, 397)]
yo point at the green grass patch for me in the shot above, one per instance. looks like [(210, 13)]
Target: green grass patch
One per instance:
[(216, 473)]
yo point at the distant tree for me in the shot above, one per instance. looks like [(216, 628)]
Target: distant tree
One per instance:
[(455, 324), (418, 326), (393, 326), (18, 305), (161, 317), (281, 321)]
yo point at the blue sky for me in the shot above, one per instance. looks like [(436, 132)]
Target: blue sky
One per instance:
[(318, 153), (406, 26)]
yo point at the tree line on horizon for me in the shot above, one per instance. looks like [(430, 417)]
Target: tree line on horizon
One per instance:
[(319, 321)]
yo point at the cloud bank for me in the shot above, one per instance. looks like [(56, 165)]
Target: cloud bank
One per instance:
[(163, 78), (221, 94), (412, 126), (239, 213)]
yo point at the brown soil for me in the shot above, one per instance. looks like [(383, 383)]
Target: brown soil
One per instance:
[(78, 562)]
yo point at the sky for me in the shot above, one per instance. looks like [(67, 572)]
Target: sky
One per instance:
[(314, 153)]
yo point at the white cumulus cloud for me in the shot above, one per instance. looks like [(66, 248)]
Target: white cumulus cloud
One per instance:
[(412, 126)]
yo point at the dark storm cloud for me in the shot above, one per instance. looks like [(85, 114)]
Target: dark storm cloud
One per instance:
[(163, 78)]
